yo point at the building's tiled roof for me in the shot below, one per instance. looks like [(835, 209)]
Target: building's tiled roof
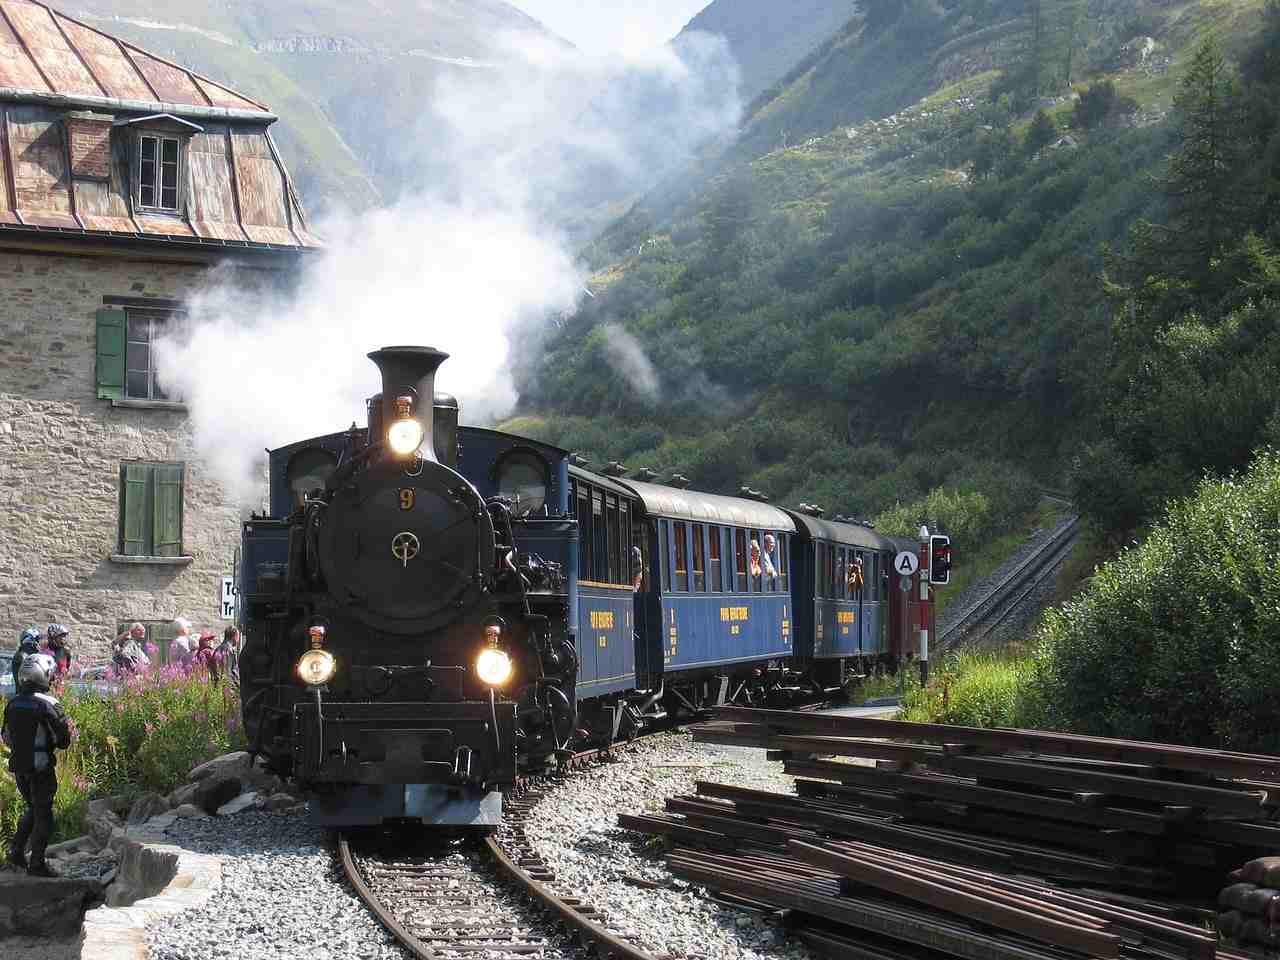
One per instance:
[(70, 98), (43, 51)]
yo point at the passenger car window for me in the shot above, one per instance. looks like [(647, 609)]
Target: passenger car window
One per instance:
[(682, 557), (615, 540), (740, 559), (664, 541), (716, 584), (699, 559)]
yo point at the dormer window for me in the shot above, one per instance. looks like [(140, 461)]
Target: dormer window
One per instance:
[(158, 168), (157, 161)]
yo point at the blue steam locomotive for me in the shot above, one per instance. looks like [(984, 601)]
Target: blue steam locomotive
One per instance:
[(428, 608)]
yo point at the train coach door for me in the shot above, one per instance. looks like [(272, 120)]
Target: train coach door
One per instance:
[(647, 603)]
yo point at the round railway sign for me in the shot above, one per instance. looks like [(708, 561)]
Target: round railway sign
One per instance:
[(906, 564)]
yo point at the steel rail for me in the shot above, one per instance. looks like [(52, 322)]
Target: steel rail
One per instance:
[(1051, 561), (371, 900), (997, 598), (606, 943)]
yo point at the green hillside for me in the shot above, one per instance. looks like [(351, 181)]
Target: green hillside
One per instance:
[(908, 295), (769, 38), (350, 80)]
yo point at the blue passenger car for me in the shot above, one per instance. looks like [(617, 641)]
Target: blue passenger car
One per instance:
[(716, 597), (840, 572)]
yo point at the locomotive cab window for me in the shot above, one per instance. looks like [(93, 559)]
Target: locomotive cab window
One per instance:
[(308, 470), (523, 479)]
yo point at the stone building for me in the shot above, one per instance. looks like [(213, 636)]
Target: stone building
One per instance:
[(124, 180)]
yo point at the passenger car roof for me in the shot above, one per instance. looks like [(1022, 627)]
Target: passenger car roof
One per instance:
[(677, 504), (843, 533)]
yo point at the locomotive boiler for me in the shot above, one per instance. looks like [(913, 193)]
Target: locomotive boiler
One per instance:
[(394, 665)]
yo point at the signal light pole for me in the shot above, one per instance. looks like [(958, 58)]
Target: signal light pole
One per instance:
[(923, 605)]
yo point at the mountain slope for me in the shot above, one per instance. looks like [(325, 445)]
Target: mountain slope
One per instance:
[(907, 301), (348, 78), (767, 37)]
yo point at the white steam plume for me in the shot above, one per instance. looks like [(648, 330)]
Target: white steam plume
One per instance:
[(626, 356), (473, 249)]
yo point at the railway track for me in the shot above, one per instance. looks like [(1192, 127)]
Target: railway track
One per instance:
[(489, 895), (977, 623)]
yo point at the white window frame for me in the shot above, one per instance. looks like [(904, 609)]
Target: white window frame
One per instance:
[(157, 320), (160, 139)]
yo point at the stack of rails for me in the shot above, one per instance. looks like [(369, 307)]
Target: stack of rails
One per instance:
[(923, 841)]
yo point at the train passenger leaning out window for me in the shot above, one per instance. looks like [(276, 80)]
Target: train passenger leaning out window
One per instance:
[(770, 552)]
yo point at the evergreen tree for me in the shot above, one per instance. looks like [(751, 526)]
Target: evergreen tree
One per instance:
[(1201, 183), (1042, 132), (1176, 266)]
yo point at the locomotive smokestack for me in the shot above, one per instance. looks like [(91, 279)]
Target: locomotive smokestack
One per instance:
[(410, 372)]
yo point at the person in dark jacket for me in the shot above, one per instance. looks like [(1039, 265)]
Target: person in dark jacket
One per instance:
[(57, 647), (34, 727), (27, 645)]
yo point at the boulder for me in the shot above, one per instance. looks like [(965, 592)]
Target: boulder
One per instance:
[(229, 764), (280, 801), (245, 801), (117, 806), (1264, 871), (100, 822), (184, 794), (31, 906), (215, 791), (146, 807), (190, 810)]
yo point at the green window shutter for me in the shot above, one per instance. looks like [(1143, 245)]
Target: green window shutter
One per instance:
[(111, 346), (168, 510), (134, 480)]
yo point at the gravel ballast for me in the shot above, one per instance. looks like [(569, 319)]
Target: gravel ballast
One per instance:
[(282, 897), (575, 830)]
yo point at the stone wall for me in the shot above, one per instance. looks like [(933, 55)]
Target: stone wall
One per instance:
[(60, 454)]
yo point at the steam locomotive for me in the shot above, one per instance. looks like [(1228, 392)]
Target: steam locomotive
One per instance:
[(429, 608)]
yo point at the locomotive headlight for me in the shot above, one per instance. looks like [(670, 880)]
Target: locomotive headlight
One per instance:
[(405, 436), (317, 667), (405, 433), (493, 667)]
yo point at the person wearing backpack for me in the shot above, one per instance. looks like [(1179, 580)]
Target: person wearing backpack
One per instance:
[(27, 645), (35, 725)]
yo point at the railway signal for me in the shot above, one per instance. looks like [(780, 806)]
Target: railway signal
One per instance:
[(939, 560)]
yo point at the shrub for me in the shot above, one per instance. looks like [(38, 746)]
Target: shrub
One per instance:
[(147, 737), (1178, 639)]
